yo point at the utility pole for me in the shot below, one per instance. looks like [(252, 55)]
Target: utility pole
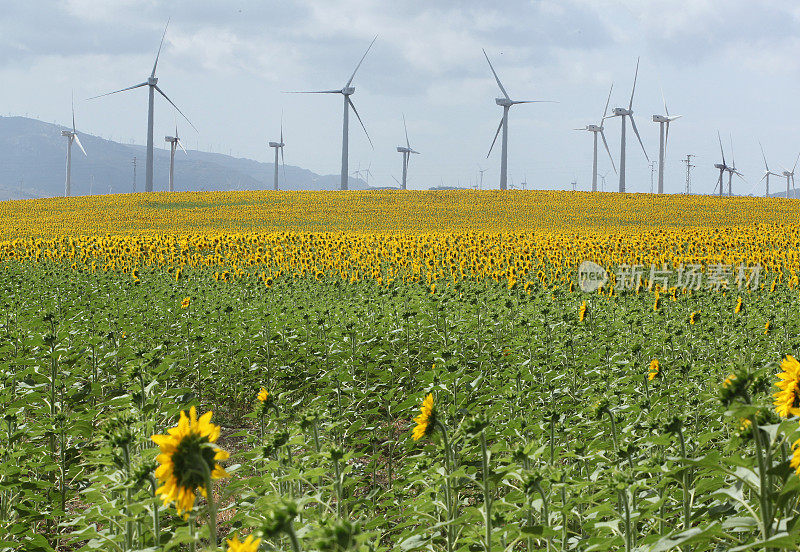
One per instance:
[(652, 174), (689, 168), (134, 175)]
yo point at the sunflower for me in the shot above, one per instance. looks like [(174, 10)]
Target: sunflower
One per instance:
[(694, 318), (186, 456), (766, 328), (582, 312), (185, 302), (795, 461), (263, 395), (250, 544), (654, 370), (738, 308), (426, 420), (787, 400)]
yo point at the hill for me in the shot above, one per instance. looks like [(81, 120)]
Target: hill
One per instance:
[(33, 158)]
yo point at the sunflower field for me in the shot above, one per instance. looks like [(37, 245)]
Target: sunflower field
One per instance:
[(388, 371)]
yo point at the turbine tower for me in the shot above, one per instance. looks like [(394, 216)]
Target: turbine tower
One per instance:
[(152, 84), (595, 130), (346, 92), (406, 151), (622, 113), (505, 102), (174, 141), (767, 172), (278, 146), (71, 136), (663, 123), (790, 176)]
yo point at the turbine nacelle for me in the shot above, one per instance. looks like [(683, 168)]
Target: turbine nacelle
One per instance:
[(594, 128), (661, 119), (348, 90), (721, 166), (621, 111), (170, 139), (787, 173), (67, 133), (152, 81), (504, 102), (276, 144)]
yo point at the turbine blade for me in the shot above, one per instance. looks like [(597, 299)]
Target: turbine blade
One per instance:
[(720, 148), (795, 163), (603, 136), (360, 62), (414, 151), (176, 107), (733, 157), (666, 139), (153, 74), (359, 119), (635, 76), (78, 141), (118, 91), (584, 128), (313, 92), (500, 84), (608, 100), (496, 134), (395, 179), (73, 112), (666, 109), (281, 130), (764, 156), (180, 144), (636, 131), (408, 144), (763, 177), (533, 101)]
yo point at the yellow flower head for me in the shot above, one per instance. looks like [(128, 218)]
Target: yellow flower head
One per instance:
[(738, 308), (250, 544), (186, 456), (185, 302), (694, 318), (654, 370), (426, 419), (766, 328), (263, 395), (582, 312), (787, 400)]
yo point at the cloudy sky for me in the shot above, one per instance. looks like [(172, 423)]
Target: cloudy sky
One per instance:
[(727, 65)]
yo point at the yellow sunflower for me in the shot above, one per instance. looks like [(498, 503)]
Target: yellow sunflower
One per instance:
[(787, 400), (738, 308), (186, 456), (250, 544), (185, 302), (654, 370), (582, 312), (263, 395), (695, 317), (795, 461), (426, 420)]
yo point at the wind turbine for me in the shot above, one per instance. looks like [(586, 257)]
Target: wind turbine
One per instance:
[(790, 176), (622, 113), (406, 151), (505, 102), (732, 170), (723, 168), (595, 130), (174, 141), (346, 92), (767, 172), (71, 135), (663, 121), (152, 84), (279, 146)]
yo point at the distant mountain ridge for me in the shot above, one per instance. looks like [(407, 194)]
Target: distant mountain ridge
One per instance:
[(33, 164)]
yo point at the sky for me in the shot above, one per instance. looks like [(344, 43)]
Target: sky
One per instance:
[(731, 66)]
